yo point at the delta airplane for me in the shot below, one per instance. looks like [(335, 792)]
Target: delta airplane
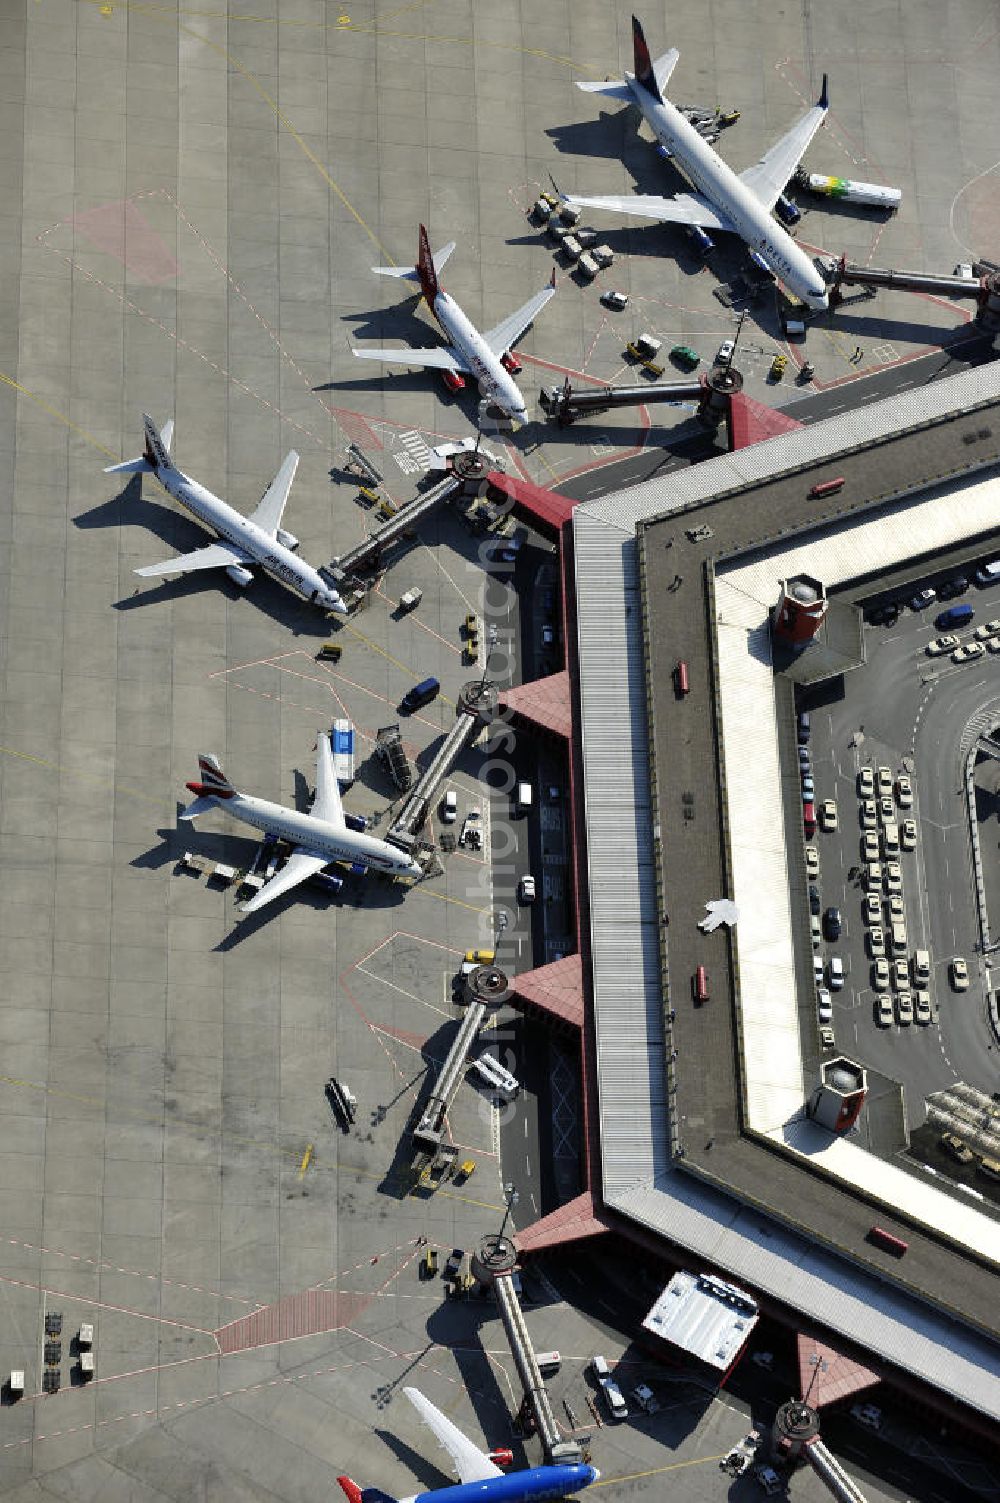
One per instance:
[(485, 356), (319, 837), (480, 1479), (722, 200), (257, 539)]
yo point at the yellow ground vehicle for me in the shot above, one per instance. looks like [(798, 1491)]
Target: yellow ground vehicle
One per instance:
[(330, 652), (480, 957), (471, 624), (429, 1263), (778, 367), (465, 1168)]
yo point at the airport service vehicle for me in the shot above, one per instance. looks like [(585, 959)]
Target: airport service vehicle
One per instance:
[(721, 200), (959, 972), (410, 599), (617, 1407), (318, 838), (449, 807), (778, 367), (964, 270), (526, 890), (940, 645), (967, 653), (486, 356), (828, 814), (342, 740), (875, 195), (685, 356), (959, 1151), (908, 834), (616, 301), (243, 541), (589, 264)]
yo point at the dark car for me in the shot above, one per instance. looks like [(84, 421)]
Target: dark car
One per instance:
[(953, 587), (832, 924), (803, 728), (814, 904), (454, 1263)]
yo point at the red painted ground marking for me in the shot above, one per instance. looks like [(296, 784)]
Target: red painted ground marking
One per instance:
[(123, 231), (357, 428), (312, 1312), (402, 1035)]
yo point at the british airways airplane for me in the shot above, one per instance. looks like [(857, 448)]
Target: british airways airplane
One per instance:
[(722, 200), (470, 353), (480, 1479), (319, 838), (257, 539)]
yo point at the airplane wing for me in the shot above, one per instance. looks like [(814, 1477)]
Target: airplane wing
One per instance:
[(510, 329), (215, 556), (327, 803), (268, 512), (683, 208), (768, 179), (441, 358), (300, 865), (470, 1462), (609, 90)]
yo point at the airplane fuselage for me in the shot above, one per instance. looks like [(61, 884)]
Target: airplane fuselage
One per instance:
[(221, 518), (530, 1486), (317, 835), (712, 177), (494, 381)]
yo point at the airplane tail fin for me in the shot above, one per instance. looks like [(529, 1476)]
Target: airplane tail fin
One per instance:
[(644, 72), (213, 782), (426, 269), (155, 453), (356, 1494)]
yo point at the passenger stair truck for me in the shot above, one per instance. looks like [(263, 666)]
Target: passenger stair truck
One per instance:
[(342, 743), (389, 747)]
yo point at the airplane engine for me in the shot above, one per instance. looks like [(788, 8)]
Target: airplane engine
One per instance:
[(239, 575), (287, 539)]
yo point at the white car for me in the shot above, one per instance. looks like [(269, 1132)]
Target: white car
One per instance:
[(824, 1005), (725, 352), (812, 861), (893, 877), (963, 270), (869, 846), (526, 890), (868, 815), (904, 1009), (836, 976), (873, 908), (922, 1005), (873, 877), (886, 809), (880, 975), (883, 1010), (884, 781), (908, 834), (940, 645), (897, 912), (900, 976), (828, 814), (988, 629), (959, 975), (449, 807), (818, 969), (968, 652), (876, 941), (866, 783)]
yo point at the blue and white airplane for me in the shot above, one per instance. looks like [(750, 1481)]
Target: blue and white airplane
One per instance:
[(241, 541), (480, 1478), (722, 200)]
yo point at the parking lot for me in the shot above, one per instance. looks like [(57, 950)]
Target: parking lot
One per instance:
[(888, 746)]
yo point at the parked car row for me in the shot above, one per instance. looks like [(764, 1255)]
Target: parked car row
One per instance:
[(887, 613)]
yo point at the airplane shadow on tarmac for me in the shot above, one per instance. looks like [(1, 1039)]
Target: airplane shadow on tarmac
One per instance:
[(180, 535)]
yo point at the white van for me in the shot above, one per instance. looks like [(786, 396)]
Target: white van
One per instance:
[(899, 945), (522, 798), (890, 837), (988, 574), (548, 1363)]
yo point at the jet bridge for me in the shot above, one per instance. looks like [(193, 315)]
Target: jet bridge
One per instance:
[(494, 1265), (368, 554), (474, 705), (984, 289), (795, 1437), (485, 990), (566, 403)]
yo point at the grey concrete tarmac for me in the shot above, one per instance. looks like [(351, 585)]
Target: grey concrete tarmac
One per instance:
[(192, 204)]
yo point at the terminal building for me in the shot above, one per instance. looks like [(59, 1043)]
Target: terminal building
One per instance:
[(719, 1135)]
